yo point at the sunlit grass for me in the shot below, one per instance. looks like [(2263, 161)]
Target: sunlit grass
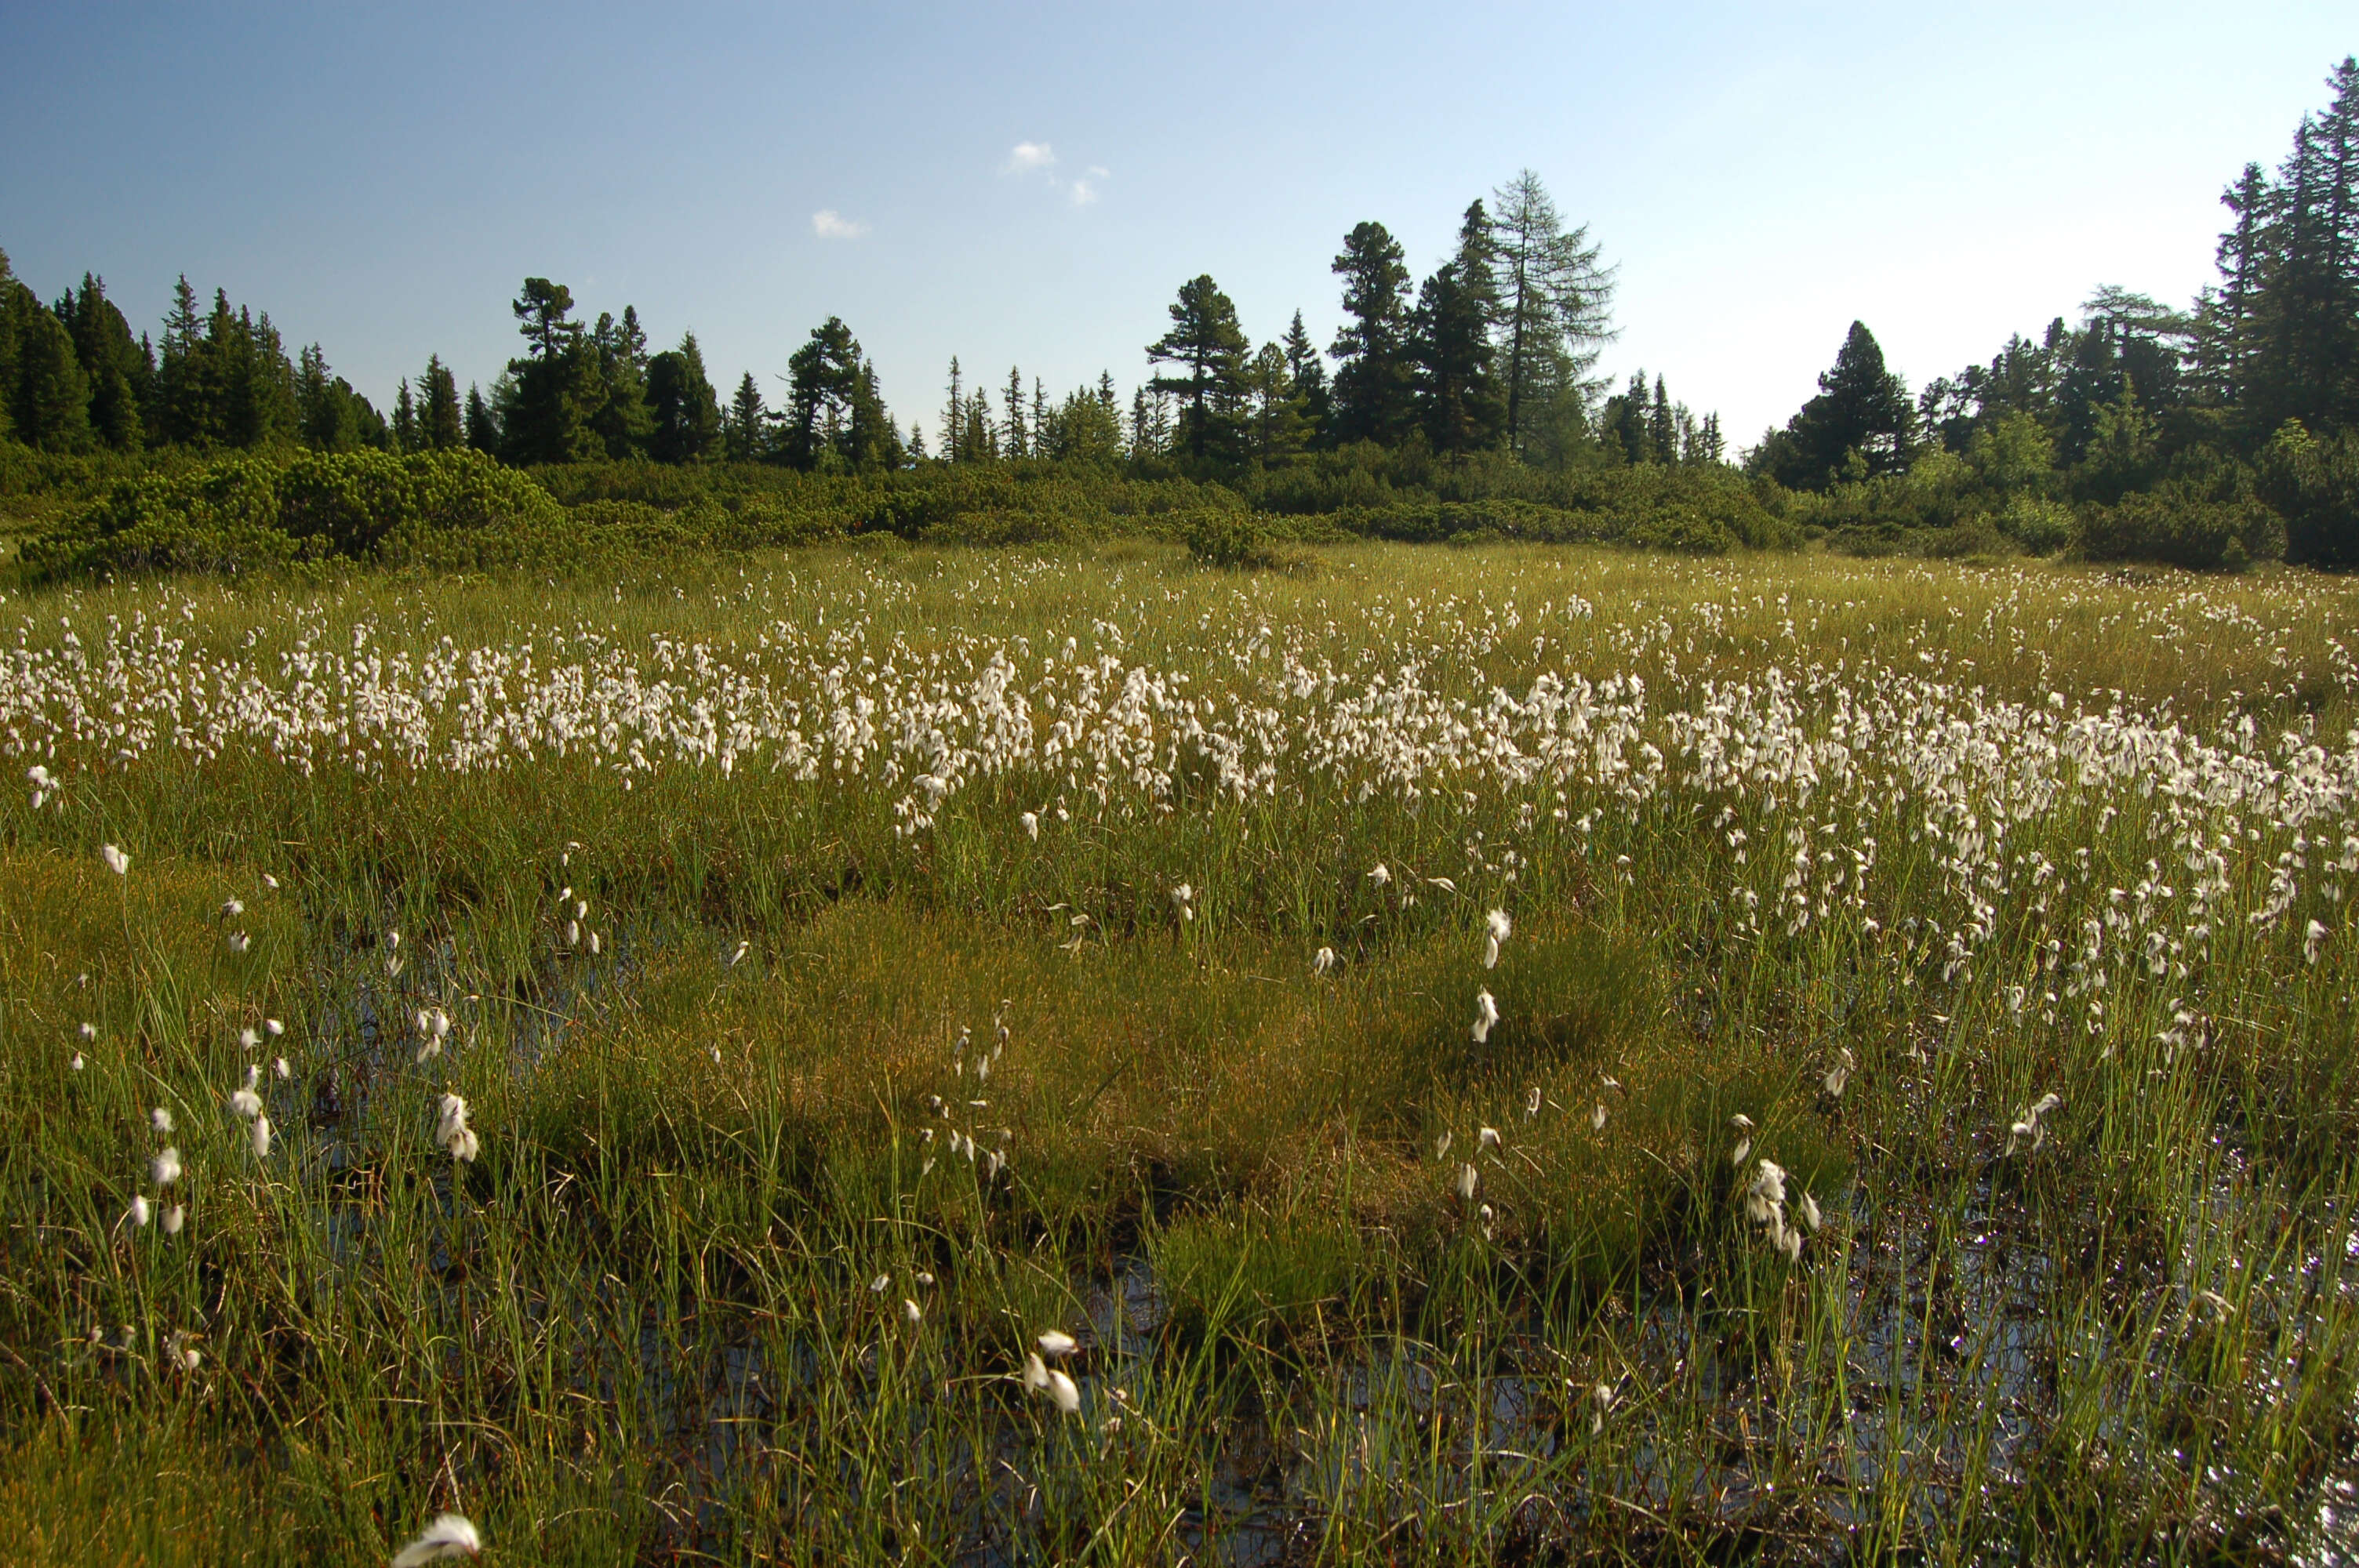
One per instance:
[(777, 1067)]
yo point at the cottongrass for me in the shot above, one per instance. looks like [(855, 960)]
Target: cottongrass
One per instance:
[(450, 1536)]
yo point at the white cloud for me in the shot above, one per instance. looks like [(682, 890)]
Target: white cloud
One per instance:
[(830, 224), (1028, 156)]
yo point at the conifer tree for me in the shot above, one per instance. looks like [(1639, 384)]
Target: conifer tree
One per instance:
[(441, 426), (686, 412), (1374, 382), (742, 433), (622, 419), (552, 391), (954, 418), (1207, 342), (1555, 312), (1308, 370), (1012, 442), (483, 427), (115, 364), (51, 405), (405, 420)]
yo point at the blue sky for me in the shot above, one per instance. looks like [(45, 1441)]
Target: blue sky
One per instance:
[(380, 178)]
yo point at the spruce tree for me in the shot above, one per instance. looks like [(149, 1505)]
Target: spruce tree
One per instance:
[(1308, 370), (1458, 402), (113, 363), (622, 418), (405, 419), (1207, 342), (441, 424), (742, 432), (1374, 382), (953, 430), (482, 427), (1012, 442), (687, 414), (50, 408)]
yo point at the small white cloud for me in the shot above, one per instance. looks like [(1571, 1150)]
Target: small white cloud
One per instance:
[(830, 224), (1081, 192), (1028, 156)]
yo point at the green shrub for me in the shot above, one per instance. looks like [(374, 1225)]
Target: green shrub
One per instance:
[(2040, 526), (252, 511), (2183, 528)]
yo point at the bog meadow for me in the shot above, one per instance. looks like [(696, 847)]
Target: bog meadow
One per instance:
[(1386, 954)]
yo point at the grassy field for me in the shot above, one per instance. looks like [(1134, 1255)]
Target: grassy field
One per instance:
[(1919, 1120)]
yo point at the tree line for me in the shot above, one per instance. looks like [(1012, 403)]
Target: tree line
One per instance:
[(2252, 392), (1495, 350)]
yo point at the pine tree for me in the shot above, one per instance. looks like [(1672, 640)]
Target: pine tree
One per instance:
[(835, 416), (1039, 417), (441, 426), (1862, 420), (555, 388), (1206, 340), (1375, 381), (978, 436), (1281, 427), (1662, 430)]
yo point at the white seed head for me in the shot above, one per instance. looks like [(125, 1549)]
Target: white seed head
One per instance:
[(262, 1138), (450, 1536), (174, 1218), (166, 1166), (139, 1209), (116, 860), (1056, 1344), (160, 1120)]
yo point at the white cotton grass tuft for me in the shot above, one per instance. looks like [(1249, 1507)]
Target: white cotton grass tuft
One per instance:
[(232, 909), (1496, 929), (1532, 1103), (1487, 1138), (2028, 1126), (76, 1062), (1056, 1344), (280, 1069), (450, 1536), (1183, 898), (1381, 875), (160, 1120), (262, 1138), (910, 1310), (139, 1210), (2312, 940), (240, 942), (88, 1030), (451, 1130), (739, 956), (1441, 1145), (1052, 1384), (1601, 1401), (245, 1103), (248, 1040), (1839, 1075), (116, 860), (174, 1218), (1597, 1118), (1031, 820), (1486, 1013), (273, 1028), (166, 1166), (1322, 960), (1468, 1179), (180, 1354)]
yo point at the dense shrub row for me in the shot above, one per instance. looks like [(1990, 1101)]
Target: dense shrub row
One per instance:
[(460, 510)]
